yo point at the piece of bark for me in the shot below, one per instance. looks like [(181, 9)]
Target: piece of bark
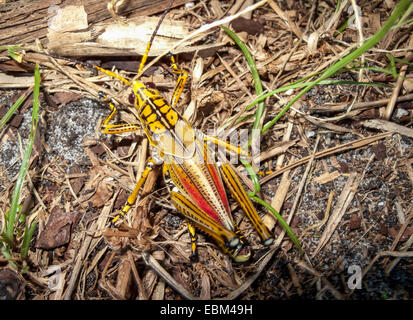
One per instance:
[(9, 81), (58, 229), (252, 27)]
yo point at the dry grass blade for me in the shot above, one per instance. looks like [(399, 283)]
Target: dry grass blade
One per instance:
[(88, 241), (299, 191), (359, 105), (347, 146), (390, 266), (245, 285), (325, 218), (278, 199), (282, 190), (150, 261), (329, 126), (341, 206), (396, 91), (287, 19), (327, 284), (401, 231), (278, 149)]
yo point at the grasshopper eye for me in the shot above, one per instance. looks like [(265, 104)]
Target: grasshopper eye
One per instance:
[(131, 98)]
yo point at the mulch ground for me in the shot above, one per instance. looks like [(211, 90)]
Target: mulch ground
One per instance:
[(335, 170)]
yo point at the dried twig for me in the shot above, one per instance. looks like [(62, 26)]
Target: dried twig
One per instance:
[(388, 126), (398, 254), (151, 262), (341, 148), (359, 105)]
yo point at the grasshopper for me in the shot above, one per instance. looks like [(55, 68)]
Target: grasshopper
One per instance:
[(197, 183)]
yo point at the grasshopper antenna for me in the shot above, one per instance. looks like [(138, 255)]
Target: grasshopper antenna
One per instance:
[(148, 47)]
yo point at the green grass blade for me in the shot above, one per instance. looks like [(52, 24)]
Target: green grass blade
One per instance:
[(254, 177), (260, 110), (12, 51), (392, 65), (9, 234), (409, 63), (254, 73), (5, 250), (323, 82), (14, 107), (403, 20), (28, 234), (257, 123), (281, 220)]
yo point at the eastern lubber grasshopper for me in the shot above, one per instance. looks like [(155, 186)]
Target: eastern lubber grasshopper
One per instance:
[(196, 181)]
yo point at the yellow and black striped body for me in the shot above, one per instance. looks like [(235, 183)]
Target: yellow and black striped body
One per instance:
[(198, 189), (165, 128)]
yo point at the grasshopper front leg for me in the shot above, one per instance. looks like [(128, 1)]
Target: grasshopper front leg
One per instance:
[(107, 128)]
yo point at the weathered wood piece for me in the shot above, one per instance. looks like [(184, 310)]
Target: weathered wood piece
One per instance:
[(70, 35), (22, 22)]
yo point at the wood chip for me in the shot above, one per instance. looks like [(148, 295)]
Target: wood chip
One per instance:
[(327, 177), (250, 26), (24, 21), (70, 35), (355, 221), (8, 81)]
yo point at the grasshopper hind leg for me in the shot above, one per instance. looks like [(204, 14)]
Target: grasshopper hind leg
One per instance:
[(227, 240), (240, 253), (191, 228), (239, 194), (237, 190)]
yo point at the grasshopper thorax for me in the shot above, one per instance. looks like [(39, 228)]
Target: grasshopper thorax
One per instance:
[(165, 128)]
